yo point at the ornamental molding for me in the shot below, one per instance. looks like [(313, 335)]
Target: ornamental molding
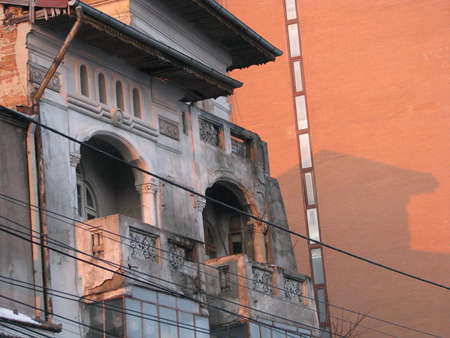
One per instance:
[(112, 116), (75, 158), (210, 132), (262, 281), (293, 289), (177, 256), (200, 203), (150, 187), (143, 245), (37, 75), (169, 128)]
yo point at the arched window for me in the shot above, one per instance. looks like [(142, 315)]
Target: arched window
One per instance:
[(84, 81), (136, 103), (225, 230), (120, 101), (102, 88), (87, 205)]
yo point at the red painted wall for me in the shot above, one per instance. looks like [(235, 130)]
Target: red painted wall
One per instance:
[(377, 84)]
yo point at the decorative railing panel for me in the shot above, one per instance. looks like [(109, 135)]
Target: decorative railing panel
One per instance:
[(262, 281), (210, 132), (293, 289), (143, 245), (177, 256)]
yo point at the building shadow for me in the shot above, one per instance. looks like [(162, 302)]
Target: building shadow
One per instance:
[(363, 209)]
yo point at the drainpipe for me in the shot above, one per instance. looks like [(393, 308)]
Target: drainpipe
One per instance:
[(45, 252), (58, 58)]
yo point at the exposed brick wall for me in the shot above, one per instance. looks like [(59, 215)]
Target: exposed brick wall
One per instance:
[(13, 88)]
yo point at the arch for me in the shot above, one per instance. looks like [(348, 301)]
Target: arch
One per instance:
[(246, 196), (126, 148), (84, 81), (120, 95), (137, 105), (102, 88), (114, 184), (226, 230)]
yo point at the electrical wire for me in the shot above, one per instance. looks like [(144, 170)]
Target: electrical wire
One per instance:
[(153, 284), (208, 198), (239, 276), (38, 209), (3, 324), (95, 303)]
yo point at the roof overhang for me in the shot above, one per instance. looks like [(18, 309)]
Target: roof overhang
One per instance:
[(246, 47), (144, 53)]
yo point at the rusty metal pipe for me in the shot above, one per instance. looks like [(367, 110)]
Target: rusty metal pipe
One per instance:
[(56, 62), (45, 253)]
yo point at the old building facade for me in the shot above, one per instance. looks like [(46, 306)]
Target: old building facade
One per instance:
[(142, 206)]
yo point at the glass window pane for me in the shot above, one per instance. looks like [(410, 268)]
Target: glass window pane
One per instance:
[(202, 324), (313, 224), (316, 257), (291, 13), (309, 187), (294, 43), (187, 305), (96, 320), (150, 320), (265, 332), (305, 151), (278, 333), (320, 301), (114, 318), (144, 294), (102, 88), (300, 108), (168, 322), (134, 313), (254, 330), (298, 76), (188, 320), (166, 300)]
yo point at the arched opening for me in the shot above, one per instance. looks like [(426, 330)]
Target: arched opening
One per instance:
[(226, 230), (136, 103), (105, 186), (84, 81), (120, 100), (102, 97)]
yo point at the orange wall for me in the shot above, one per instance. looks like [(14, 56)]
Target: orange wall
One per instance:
[(378, 94)]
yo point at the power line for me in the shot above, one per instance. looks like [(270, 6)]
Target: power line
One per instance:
[(23, 203), (158, 286), (96, 303), (209, 266), (30, 119)]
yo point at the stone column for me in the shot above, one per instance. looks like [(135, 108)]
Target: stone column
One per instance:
[(200, 204), (259, 245), (75, 158), (148, 201)]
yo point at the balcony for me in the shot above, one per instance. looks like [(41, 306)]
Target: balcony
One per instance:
[(261, 292), (123, 251)]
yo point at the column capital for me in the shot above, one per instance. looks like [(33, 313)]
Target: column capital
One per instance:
[(200, 203), (149, 187), (75, 158)]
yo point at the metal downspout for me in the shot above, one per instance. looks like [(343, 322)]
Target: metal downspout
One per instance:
[(45, 252)]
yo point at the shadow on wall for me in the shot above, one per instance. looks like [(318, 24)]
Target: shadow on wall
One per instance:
[(363, 209), (367, 200)]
